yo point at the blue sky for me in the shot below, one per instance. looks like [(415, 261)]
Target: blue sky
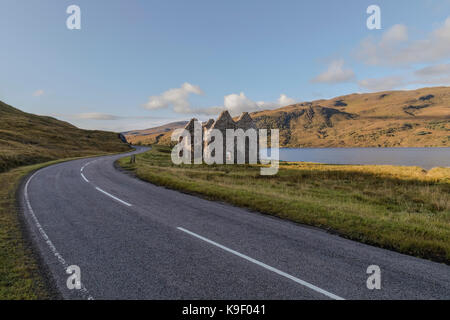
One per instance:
[(136, 64)]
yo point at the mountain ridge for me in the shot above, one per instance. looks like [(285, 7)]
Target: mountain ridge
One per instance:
[(408, 118)]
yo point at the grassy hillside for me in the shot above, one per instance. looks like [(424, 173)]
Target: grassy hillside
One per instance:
[(415, 118), (406, 209), (27, 139)]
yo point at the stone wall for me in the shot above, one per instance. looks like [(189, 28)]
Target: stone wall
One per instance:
[(224, 122)]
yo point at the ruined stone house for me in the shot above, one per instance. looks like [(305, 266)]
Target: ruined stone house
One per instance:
[(223, 122)]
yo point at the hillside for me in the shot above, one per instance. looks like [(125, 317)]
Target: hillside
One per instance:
[(415, 118), (27, 139), (152, 135)]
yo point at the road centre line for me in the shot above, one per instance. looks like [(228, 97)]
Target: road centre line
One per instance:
[(101, 190), (265, 266), (113, 197)]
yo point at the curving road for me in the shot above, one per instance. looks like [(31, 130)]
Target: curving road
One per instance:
[(135, 240)]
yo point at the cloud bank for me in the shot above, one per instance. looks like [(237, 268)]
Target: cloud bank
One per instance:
[(95, 116), (38, 93), (336, 73), (238, 103), (178, 100), (395, 48)]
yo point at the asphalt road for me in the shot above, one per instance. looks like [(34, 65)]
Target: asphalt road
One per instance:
[(135, 240)]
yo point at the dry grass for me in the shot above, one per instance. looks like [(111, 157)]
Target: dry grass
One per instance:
[(20, 276)]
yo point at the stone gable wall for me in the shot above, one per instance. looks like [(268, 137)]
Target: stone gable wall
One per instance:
[(224, 122)]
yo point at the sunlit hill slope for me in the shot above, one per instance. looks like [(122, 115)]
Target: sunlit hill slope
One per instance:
[(415, 118)]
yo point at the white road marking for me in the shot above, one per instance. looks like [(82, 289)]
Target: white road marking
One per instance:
[(82, 175), (115, 198), (261, 264), (97, 188), (82, 168), (47, 239)]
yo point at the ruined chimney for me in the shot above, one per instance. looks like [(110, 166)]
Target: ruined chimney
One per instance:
[(208, 124), (190, 128), (245, 122)]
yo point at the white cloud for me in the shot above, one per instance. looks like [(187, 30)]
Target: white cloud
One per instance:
[(210, 111), (95, 116), (38, 93), (438, 74), (335, 73), (177, 97), (284, 100), (395, 35), (101, 121), (383, 83), (395, 48), (102, 116), (436, 70), (122, 125), (238, 103), (435, 81)]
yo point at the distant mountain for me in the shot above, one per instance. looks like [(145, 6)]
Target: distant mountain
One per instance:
[(153, 135), (27, 139), (413, 118), (416, 118)]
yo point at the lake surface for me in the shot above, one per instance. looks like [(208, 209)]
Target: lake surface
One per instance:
[(426, 158)]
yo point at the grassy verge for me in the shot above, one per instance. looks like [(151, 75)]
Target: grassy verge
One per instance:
[(405, 209), (20, 277)]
